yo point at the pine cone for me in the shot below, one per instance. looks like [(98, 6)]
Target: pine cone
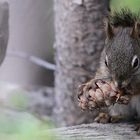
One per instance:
[(98, 93)]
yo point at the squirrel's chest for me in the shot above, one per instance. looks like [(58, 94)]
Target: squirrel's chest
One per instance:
[(135, 88)]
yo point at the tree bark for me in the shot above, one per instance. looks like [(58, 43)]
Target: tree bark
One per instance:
[(79, 41), (4, 29), (97, 132)]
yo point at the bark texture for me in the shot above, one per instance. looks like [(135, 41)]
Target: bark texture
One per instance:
[(4, 29), (98, 132), (79, 41)]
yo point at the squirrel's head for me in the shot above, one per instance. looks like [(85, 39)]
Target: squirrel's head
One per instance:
[(122, 53)]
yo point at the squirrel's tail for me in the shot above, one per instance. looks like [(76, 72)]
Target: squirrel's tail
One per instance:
[(124, 18)]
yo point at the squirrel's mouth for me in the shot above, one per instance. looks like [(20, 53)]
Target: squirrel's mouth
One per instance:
[(127, 90)]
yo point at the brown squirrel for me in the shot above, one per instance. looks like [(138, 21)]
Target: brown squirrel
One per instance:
[(120, 61)]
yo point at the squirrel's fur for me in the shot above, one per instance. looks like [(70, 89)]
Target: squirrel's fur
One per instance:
[(123, 18), (121, 49)]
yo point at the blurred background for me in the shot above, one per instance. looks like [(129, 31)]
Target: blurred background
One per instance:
[(32, 32), (23, 84)]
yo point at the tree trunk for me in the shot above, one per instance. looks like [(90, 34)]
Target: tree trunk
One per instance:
[(4, 29), (79, 41)]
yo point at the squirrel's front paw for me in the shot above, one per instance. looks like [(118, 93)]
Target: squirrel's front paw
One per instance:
[(99, 93), (106, 118), (102, 118)]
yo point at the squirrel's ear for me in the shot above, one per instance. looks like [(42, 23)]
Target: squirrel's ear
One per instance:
[(108, 29), (136, 30)]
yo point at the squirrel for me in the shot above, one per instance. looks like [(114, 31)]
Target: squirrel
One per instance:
[(120, 61)]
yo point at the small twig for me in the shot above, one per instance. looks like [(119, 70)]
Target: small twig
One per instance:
[(36, 60)]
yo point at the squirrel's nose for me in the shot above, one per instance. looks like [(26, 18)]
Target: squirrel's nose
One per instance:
[(121, 84), (118, 84)]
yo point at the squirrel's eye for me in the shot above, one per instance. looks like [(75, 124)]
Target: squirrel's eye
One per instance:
[(135, 62), (106, 61)]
